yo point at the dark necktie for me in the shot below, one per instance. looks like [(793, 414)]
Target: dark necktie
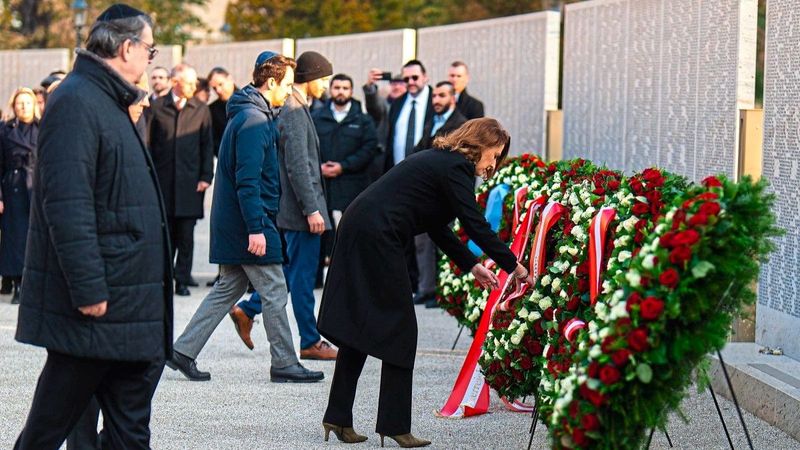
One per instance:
[(412, 123)]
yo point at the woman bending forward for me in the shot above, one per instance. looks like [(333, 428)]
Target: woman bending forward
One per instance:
[(366, 306)]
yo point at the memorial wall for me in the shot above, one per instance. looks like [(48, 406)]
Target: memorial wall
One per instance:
[(778, 309), (237, 58), (644, 85), (513, 65), (28, 68), (356, 54)]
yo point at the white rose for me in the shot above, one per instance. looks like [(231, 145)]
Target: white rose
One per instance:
[(518, 169), (523, 313), (556, 285), (617, 296), (606, 287), (545, 303), (563, 294), (623, 255), (595, 352), (546, 280), (516, 339), (574, 270), (573, 251), (649, 261), (619, 311), (604, 333), (634, 278), (661, 228), (534, 316), (670, 215), (573, 199)]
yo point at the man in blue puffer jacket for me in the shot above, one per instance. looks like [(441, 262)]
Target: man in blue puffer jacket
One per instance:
[(244, 238)]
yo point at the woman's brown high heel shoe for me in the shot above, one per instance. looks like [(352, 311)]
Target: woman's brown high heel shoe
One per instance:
[(344, 434), (407, 440)]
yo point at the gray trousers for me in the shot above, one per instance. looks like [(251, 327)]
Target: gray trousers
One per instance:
[(426, 264), (269, 282)]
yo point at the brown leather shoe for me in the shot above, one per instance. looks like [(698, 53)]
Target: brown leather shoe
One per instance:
[(321, 350), (243, 325)]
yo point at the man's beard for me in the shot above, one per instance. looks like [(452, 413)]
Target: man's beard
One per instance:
[(341, 101)]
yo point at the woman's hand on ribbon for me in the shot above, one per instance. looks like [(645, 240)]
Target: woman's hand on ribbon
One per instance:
[(522, 274), (485, 277)]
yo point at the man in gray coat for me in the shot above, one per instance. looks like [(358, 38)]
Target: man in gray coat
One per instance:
[(303, 214)]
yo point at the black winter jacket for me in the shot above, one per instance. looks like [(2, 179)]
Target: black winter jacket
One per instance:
[(353, 144), (97, 227)]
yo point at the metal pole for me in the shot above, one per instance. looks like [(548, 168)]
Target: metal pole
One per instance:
[(722, 419), (735, 401)]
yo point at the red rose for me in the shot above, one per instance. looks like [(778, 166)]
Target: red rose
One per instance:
[(651, 174), (669, 278), (593, 370), (698, 219), (613, 185), (678, 219), (590, 422), (607, 343), (551, 168), (550, 352), (609, 375), (680, 255), (518, 375), (710, 208), (636, 185), (651, 308), (537, 327), (712, 182), (568, 227), (653, 196), (599, 191), (573, 303), (637, 340), (623, 322), (573, 408), (620, 357), (687, 237), (548, 313), (525, 363), (666, 239), (633, 300), (579, 437), (640, 208), (639, 238)]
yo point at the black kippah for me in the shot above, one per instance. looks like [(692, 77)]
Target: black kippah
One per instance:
[(119, 11)]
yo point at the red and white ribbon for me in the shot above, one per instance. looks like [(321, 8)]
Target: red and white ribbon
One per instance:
[(519, 200), (598, 230), (470, 394), (550, 215), (572, 327)]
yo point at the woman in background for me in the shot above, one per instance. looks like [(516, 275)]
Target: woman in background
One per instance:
[(18, 137)]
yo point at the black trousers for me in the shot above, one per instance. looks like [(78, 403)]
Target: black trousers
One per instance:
[(181, 233), (84, 435), (394, 403), (66, 385)]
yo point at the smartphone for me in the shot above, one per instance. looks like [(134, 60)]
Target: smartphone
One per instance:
[(386, 76)]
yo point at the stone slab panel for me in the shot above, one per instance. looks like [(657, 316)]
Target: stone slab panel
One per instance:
[(356, 54), (237, 58), (778, 309), (27, 68), (513, 64), (643, 86)]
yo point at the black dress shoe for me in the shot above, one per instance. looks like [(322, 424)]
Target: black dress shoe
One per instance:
[(431, 303), (187, 366), (420, 299), (6, 286), (192, 282), (294, 374), (182, 290)]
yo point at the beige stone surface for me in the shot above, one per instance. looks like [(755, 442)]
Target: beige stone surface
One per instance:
[(27, 68)]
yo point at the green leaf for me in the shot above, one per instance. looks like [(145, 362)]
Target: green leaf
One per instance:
[(644, 372), (701, 269)]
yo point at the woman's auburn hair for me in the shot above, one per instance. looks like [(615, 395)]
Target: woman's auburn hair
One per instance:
[(475, 136)]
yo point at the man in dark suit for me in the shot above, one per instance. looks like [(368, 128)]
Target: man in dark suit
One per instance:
[(446, 119), (470, 107), (221, 81), (181, 142), (408, 114)]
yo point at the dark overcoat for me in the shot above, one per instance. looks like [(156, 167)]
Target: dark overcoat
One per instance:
[(247, 188), (353, 144), (470, 107), (98, 227), (17, 160), (182, 145), (366, 303)]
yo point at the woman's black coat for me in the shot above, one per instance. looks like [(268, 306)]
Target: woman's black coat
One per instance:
[(367, 302), (98, 228), (17, 160), (182, 145)]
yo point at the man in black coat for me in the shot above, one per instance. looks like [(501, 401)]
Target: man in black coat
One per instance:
[(221, 81), (470, 107), (446, 119), (96, 290), (347, 143), (182, 144)]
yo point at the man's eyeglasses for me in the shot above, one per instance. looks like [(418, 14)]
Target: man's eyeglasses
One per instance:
[(412, 77), (152, 51)]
